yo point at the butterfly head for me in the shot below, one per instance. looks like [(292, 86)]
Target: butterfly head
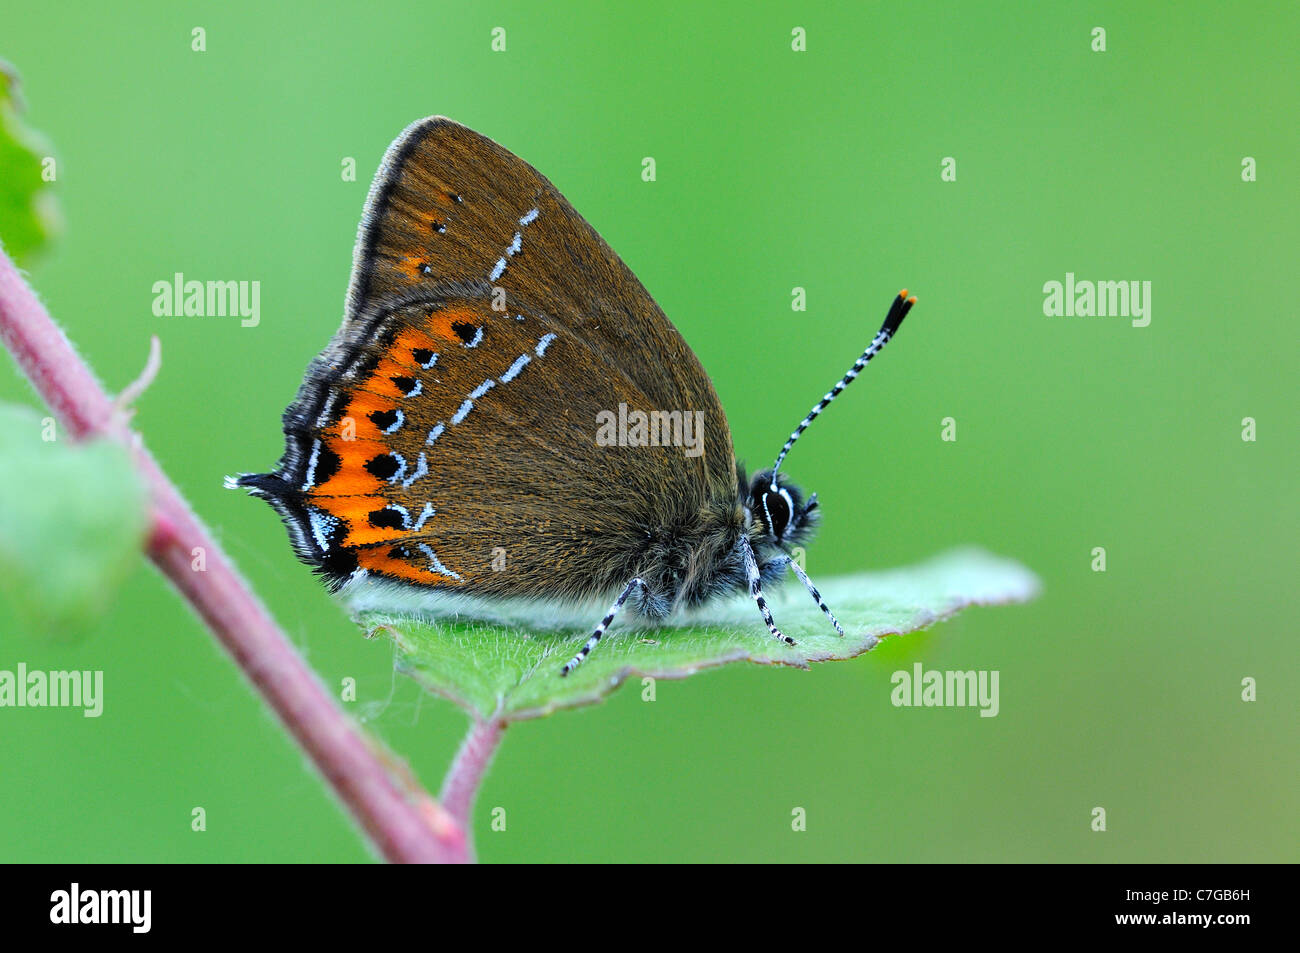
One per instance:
[(779, 508)]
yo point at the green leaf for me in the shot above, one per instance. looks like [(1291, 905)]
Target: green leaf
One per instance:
[(72, 524), (28, 213), (498, 671)]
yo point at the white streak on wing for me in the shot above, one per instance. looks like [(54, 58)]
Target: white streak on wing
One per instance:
[(543, 344), (435, 433), (515, 368), (435, 563), (424, 516), (326, 408), (421, 468), (478, 338), (462, 412), (310, 479), (322, 524), (513, 248), (406, 514), (468, 405), (401, 469)]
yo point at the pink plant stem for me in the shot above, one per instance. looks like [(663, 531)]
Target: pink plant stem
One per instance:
[(404, 823), (466, 774)]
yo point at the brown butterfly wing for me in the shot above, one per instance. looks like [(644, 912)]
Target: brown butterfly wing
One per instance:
[(447, 435), (449, 205)]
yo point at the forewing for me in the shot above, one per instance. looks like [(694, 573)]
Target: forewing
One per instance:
[(450, 205)]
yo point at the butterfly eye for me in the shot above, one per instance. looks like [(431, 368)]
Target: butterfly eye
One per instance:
[(775, 509), (778, 508)]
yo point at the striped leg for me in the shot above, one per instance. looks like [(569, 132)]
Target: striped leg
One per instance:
[(590, 644), (817, 596), (756, 590)]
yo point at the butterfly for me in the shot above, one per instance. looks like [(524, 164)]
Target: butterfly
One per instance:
[(444, 451)]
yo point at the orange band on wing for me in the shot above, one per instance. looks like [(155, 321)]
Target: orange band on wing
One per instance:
[(351, 478), (380, 559), (355, 513), (440, 322)]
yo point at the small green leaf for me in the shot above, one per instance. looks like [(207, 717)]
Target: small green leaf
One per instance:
[(498, 671), (28, 213), (72, 522)]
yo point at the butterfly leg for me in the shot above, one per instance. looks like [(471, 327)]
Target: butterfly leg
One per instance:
[(590, 644), (817, 596), (756, 590)]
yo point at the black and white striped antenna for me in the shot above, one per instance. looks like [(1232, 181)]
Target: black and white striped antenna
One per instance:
[(897, 312)]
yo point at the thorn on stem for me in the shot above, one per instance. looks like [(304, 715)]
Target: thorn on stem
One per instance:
[(122, 405)]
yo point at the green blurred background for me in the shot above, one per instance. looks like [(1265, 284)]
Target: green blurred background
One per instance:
[(776, 169)]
